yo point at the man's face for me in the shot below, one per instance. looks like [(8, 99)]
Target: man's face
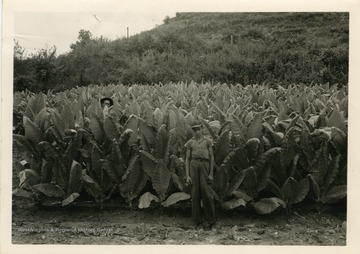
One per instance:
[(106, 103), (197, 131)]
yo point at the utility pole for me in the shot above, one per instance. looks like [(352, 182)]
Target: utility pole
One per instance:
[(127, 32)]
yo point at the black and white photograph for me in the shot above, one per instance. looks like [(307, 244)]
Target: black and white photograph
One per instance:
[(184, 126)]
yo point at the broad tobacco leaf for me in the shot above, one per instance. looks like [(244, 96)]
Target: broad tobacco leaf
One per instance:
[(132, 123), (33, 132), (255, 128), (42, 119), (268, 205), (222, 147), (288, 148), (68, 117), (20, 192), (38, 103), (148, 131), (95, 126), (50, 190), (175, 197), (161, 142), (237, 127), (92, 187), (294, 192), (158, 117), (158, 173), (28, 178), (252, 147), (110, 128), (134, 180), (70, 199), (74, 179), (46, 171), (221, 182), (249, 183), (334, 194), (145, 200), (233, 203), (178, 182), (336, 119)]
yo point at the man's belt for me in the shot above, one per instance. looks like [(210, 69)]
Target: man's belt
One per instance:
[(201, 159)]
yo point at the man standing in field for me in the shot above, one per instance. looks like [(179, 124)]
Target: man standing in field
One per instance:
[(199, 165)]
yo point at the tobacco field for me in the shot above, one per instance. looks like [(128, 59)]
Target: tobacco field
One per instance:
[(278, 152)]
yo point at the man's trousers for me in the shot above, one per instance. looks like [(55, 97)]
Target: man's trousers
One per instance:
[(201, 190)]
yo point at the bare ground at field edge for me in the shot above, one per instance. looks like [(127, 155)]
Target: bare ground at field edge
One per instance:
[(31, 225)]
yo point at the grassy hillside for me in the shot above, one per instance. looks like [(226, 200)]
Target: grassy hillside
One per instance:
[(315, 26), (240, 48)]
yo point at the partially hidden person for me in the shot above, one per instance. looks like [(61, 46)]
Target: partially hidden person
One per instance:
[(106, 103)]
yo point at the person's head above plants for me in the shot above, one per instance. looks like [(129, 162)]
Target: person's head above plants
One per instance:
[(106, 102)]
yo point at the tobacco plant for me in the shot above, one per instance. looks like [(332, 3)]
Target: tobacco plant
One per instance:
[(273, 147)]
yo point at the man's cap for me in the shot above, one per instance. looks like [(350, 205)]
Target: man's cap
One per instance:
[(196, 124), (107, 99)]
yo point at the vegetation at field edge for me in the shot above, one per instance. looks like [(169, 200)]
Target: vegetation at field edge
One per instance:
[(233, 48)]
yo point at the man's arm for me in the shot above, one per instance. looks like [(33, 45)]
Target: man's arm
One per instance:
[(187, 166), (212, 162)]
